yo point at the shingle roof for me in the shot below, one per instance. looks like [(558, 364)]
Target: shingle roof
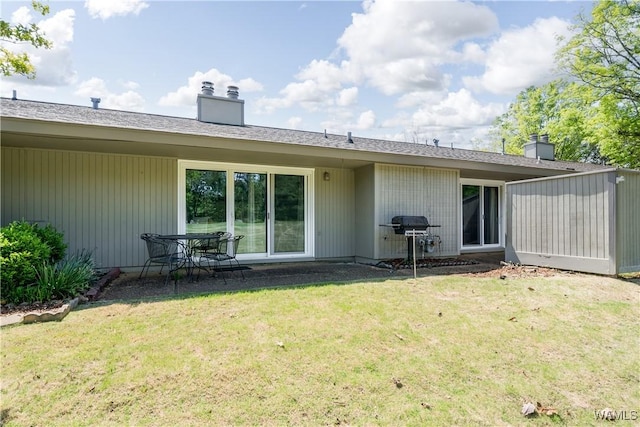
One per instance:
[(80, 115)]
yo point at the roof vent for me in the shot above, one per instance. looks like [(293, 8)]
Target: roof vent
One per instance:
[(232, 92), (227, 110), (15, 95), (349, 138), (539, 149), (207, 88), (95, 102)]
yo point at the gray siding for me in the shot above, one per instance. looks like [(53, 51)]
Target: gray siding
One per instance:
[(365, 224), (564, 222), (627, 222), (402, 190), (100, 202), (335, 213)]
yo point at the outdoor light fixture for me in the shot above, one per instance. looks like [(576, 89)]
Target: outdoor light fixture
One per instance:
[(326, 176)]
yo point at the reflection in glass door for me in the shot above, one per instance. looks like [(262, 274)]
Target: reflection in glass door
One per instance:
[(272, 207), (250, 211), (288, 213), (205, 201), (480, 215)]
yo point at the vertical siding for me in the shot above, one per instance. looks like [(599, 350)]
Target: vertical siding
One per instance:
[(335, 213), (100, 202), (628, 224), (563, 222), (416, 191), (365, 208)]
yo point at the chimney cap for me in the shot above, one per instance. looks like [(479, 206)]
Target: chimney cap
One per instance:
[(207, 88), (232, 92), (95, 102)]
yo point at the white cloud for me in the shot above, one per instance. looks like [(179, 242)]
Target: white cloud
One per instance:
[(347, 97), (398, 45), (186, 95), (294, 122), (459, 109), (394, 47), (366, 120), (97, 88), (53, 66), (105, 9), (520, 58)]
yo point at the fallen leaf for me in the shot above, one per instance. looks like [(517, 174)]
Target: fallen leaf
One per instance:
[(513, 319), (528, 409), (400, 337), (530, 288), (280, 344), (426, 405)]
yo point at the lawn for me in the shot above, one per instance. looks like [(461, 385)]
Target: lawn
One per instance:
[(440, 350)]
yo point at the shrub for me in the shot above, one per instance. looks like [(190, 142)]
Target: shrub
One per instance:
[(23, 246), (53, 239), (63, 280), (20, 249)]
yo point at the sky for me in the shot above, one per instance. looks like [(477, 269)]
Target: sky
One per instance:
[(410, 71)]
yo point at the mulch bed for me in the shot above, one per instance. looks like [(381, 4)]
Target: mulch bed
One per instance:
[(403, 263)]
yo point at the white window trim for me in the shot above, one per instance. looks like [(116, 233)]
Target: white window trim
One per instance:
[(501, 206), (309, 198)]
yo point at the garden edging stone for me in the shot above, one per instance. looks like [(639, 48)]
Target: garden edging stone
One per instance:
[(59, 313)]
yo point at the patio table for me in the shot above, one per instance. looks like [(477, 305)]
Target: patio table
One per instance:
[(189, 244)]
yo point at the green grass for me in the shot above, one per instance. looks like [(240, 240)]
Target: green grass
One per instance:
[(430, 351)]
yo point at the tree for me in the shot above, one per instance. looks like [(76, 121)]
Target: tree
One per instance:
[(605, 53), (604, 56), (557, 109), (20, 63), (594, 114)]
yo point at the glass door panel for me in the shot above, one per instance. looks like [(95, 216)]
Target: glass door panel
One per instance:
[(471, 215), (288, 213), (206, 201), (491, 217), (250, 211)]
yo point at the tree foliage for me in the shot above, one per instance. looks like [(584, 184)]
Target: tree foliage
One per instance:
[(594, 114), (19, 62), (605, 52), (557, 109)]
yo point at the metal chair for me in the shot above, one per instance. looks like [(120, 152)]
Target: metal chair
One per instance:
[(163, 252), (227, 250)]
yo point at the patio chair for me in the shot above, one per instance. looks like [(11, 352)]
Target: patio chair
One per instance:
[(227, 250), (163, 252), (209, 244)]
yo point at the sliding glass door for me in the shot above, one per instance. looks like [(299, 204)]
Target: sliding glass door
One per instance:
[(288, 213), (481, 215), (270, 206)]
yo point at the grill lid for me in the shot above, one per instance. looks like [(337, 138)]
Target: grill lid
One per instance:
[(404, 222)]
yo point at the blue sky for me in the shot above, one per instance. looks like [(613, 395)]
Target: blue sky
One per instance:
[(401, 70)]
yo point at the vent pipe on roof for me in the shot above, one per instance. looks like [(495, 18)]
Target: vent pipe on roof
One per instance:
[(15, 95), (349, 137), (207, 88), (95, 102), (232, 92), (436, 142)]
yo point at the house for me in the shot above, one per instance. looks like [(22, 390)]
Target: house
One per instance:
[(104, 177)]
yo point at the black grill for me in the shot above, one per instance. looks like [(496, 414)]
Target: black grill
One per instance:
[(402, 224)]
